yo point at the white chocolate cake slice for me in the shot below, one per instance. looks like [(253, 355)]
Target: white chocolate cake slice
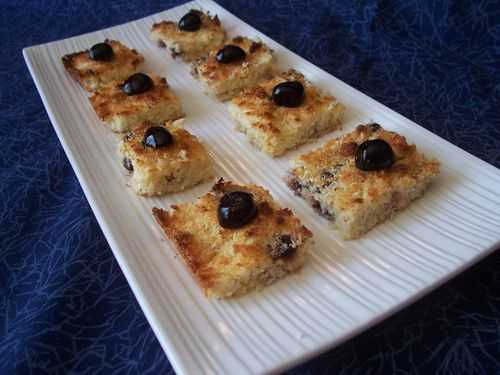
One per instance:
[(252, 244), (356, 181)]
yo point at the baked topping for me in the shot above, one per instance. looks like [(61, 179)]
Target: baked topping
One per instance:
[(236, 209), (348, 149), (137, 84), (373, 155), (127, 164), (191, 21), (283, 247), (101, 52), (229, 54), (156, 137), (288, 94)]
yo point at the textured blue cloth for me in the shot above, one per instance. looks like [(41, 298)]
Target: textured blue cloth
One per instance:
[(65, 306)]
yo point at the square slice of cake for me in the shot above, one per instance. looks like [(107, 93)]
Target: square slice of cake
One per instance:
[(240, 63), (102, 63), (236, 238), (284, 112), (164, 159), (362, 178), (125, 104), (192, 37)]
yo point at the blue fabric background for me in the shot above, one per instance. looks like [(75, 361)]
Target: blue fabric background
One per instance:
[(65, 306)]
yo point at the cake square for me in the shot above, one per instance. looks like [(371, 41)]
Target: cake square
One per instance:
[(166, 168), (192, 37), (245, 63), (355, 199), (122, 112), (276, 128), (93, 74), (229, 262)]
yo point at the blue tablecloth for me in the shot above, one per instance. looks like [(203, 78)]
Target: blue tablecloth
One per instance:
[(65, 306)]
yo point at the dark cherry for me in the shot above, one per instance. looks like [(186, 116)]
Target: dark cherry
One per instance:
[(374, 155), (236, 209), (284, 247), (127, 164), (288, 94), (101, 52), (229, 54), (157, 136), (137, 84), (191, 21)]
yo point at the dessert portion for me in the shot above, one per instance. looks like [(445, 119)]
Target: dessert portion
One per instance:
[(362, 178), (284, 112), (192, 37), (102, 63), (240, 63), (125, 104), (164, 158), (235, 238)]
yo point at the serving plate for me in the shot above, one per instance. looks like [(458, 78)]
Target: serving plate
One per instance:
[(346, 286)]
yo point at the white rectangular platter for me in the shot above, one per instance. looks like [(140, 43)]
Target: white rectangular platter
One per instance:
[(345, 287)]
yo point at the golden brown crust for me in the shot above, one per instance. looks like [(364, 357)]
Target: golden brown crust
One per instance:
[(277, 128), (190, 45), (218, 256), (264, 89), (329, 176), (176, 167), (185, 147), (409, 165), (210, 71), (224, 81), (408, 160), (92, 74), (256, 101), (170, 29), (111, 101)]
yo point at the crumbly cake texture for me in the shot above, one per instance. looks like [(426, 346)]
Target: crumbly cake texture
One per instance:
[(189, 45), (232, 262), (275, 129), (224, 81), (92, 75), (122, 112), (357, 200), (176, 167)]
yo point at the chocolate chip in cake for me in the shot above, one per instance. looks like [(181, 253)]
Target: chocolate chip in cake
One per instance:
[(283, 247)]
